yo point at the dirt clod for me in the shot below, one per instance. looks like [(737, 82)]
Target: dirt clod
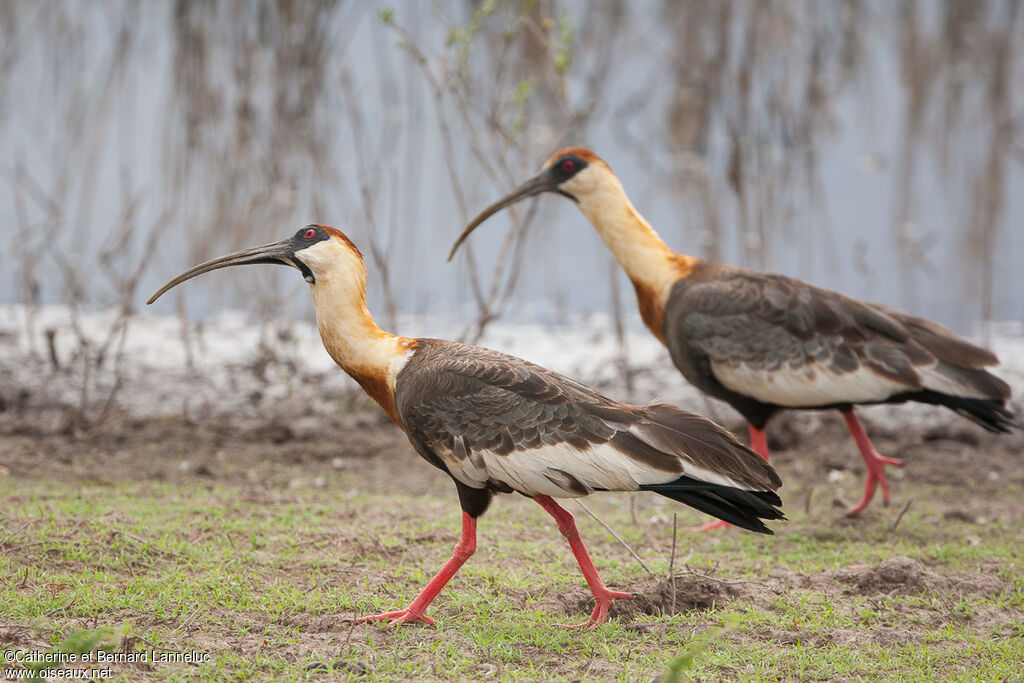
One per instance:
[(960, 515), (899, 574), (355, 667), (903, 575), (692, 592), (656, 597)]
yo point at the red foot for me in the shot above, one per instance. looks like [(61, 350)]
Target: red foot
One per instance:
[(873, 461), (876, 478), (402, 616), (415, 611), (600, 612), (712, 526), (602, 596)]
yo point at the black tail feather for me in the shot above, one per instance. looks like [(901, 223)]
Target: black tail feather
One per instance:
[(990, 414), (738, 507)]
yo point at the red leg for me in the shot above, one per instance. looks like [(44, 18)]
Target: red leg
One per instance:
[(874, 462), (759, 441), (758, 444), (602, 596), (415, 611)]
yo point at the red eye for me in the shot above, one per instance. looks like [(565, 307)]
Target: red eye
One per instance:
[(568, 165), (310, 234)]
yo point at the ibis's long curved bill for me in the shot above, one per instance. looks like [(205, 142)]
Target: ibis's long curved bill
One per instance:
[(542, 182), (282, 252)]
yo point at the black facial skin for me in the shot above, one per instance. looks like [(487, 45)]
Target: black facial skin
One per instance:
[(566, 167), (308, 236), (304, 239)]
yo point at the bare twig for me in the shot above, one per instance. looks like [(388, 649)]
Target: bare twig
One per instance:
[(51, 347), (14, 533), (672, 561), (616, 537), (154, 646), (63, 609), (24, 545), (188, 621), (727, 582), (139, 539), (899, 517), (348, 638)]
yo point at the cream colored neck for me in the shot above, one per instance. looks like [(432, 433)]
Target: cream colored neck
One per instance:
[(349, 333), (640, 251)]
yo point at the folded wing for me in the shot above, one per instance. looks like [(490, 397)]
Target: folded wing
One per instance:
[(785, 342), (497, 422)]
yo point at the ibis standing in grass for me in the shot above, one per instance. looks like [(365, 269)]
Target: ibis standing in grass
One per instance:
[(498, 424), (764, 342)]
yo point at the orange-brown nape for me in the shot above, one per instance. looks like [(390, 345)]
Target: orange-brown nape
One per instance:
[(343, 237), (582, 152)]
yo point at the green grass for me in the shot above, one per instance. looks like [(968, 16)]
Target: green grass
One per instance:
[(262, 583)]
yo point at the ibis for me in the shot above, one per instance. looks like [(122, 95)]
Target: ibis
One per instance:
[(764, 342), (498, 424)]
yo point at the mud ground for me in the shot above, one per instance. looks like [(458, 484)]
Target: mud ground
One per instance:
[(971, 482)]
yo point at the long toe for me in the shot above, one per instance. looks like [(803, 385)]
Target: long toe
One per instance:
[(589, 623), (869, 493), (596, 617), (601, 604), (409, 618), (877, 468), (402, 616), (884, 483), (377, 617), (872, 460)]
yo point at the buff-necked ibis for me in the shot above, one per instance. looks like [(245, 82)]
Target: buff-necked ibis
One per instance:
[(764, 342), (498, 424)]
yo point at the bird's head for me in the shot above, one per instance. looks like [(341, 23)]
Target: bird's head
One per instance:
[(317, 251), (573, 172)]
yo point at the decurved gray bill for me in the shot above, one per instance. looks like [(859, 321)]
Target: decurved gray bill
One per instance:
[(535, 185), (278, 252)]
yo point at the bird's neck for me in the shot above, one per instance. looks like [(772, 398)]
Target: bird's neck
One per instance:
[(650, 264), (371, 356)]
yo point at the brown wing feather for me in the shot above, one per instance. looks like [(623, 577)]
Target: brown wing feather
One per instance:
[(459, 402), (752, 324), (942, 342), (700, 441)]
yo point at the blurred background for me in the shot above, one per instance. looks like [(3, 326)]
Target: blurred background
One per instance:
[(872, 147)]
